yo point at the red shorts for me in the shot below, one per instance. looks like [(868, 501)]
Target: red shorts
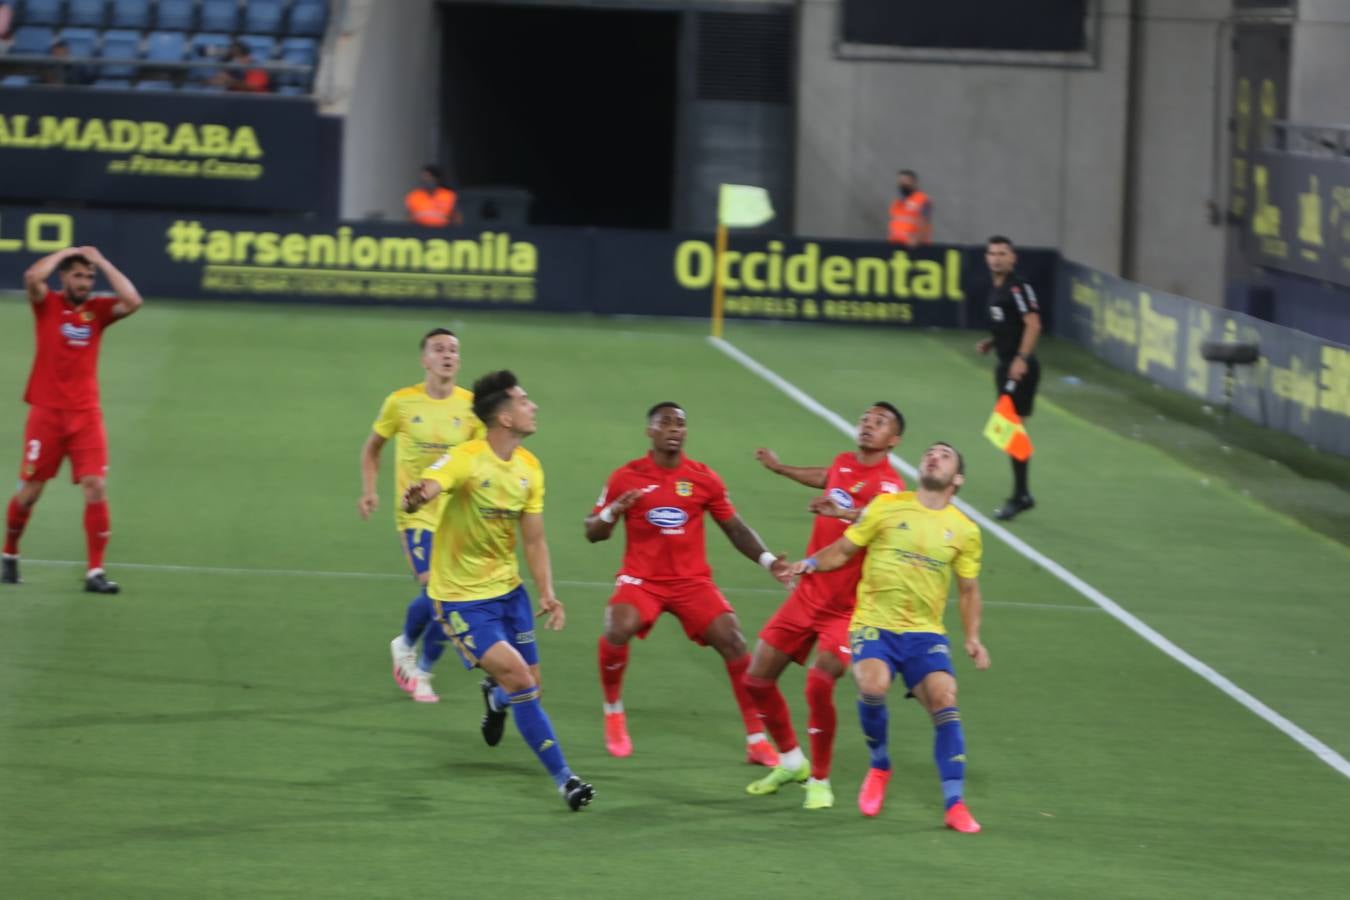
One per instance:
[(696, 602), (805, 619), (53, 434)]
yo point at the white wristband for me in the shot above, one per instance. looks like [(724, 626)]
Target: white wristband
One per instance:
[(607, 514), (767, 559)]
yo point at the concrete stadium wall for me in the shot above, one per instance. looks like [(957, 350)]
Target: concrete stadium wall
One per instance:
[(1321, 63)]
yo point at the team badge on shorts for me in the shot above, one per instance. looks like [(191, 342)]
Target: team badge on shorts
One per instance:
[(29, 470), (684, 488)]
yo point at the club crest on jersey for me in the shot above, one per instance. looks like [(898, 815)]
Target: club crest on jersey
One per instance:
[(77, 334), (667, 518), (455, 421), (86, 316), (857, 488), (947, 535), (524, 483), (684, 488), (417, 420), (841, 498)]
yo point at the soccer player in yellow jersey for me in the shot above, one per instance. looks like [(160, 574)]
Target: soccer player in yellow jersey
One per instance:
[(494, 489), (914, 542), (426, 420)]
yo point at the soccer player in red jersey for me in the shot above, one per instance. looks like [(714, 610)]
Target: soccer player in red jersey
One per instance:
[(64, 418), (661, 498), (818, 611)]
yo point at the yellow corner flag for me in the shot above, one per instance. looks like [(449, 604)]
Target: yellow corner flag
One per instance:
[(743, 206), (1006, 431)]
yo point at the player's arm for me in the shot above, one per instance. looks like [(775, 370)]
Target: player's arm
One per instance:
[(541, 569), (744, 539), (39, 273), (1031, 333), (972, 609), (370, 474), (827, 560), (128, 298), (440, 477), (811, 476), (600, 524)]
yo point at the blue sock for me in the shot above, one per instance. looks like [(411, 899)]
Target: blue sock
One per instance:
[(537, 731), (419, 614), (875, 721), (949, 751), (433, 645)]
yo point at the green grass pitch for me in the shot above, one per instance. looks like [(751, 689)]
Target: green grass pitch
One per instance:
[(227, 726)]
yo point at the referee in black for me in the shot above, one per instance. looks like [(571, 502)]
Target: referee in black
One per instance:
[(1015, 323)]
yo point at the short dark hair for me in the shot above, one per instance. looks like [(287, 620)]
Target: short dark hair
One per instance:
[(999, 239), (75, 259), (910, 172), (960, 460), (664, 404), (436, 332), (899, 416), (490, 394)]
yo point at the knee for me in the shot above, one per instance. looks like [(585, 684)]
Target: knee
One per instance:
[(516, 679), (941, 700), (95, 489), (28, 494), (621, 623)]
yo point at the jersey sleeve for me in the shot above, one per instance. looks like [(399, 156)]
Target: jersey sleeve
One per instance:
[(1024, 296), (861, 532), (387, 422), (534, 501), (104, 309), (967, 562), (719, 501), (449, 471)]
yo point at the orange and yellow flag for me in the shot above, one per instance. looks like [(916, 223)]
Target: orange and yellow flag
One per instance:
[(1006, 431)]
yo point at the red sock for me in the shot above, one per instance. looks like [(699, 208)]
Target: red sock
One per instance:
[(736, 669), (15, 521), (773, 710), (613, 662), (821, 722), (96, 527)]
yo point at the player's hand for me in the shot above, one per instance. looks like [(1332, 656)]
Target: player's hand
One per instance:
[(1017, 369), (799, 568), (552, 607), (975, 650), (367, 504), (824, 506), (984, 346), (415, 497), (782, 570), (768, 458), (625, 500)]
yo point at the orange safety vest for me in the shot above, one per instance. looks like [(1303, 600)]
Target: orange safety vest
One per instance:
[(909, 226), (430, 208)]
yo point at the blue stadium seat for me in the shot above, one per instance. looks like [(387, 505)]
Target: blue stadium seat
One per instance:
[(154, 85), (35, 39), (87, 13), (203, 87), (176, 15), (263, 16), (81, 41), (112, 84), (308, 17), (300, 51), (130, 14), (292, 90), (41, 12), (166, 46), (204, 47), (16, 81), (220, 15), (262, 46), (119, 45)]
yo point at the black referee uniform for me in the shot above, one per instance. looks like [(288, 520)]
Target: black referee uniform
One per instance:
[(1009, 303)]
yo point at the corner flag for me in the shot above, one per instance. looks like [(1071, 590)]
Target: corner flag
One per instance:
[(1006, 431), (743, 206)]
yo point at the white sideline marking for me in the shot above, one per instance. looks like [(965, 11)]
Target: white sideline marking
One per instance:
[(1131, 621), (318, 573)]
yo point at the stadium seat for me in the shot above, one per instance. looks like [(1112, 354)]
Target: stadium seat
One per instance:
[(263, 16), (203, 87), (291, 90), (41, 12), (81, 41), (175, 15), (262, 46), (220, 15), (300, 51), (35, 39), (207, 47), (165, 46), (119, 45), (154, 85), (16, 81), (130, 14), (308, 17), (112, 84), (86, 13)]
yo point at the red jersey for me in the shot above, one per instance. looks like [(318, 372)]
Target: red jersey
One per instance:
[(850, 485), (665, 525), (65, 368)]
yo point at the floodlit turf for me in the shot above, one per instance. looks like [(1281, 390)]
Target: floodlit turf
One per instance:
[(236, 733)]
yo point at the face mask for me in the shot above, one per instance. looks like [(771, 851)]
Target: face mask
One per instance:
[(905, 190)]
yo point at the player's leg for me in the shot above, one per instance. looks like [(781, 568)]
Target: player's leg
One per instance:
[(89, 468), (44, 446), (723, 634), (16, 519), (412, 673), (831, 663), (873, 671), (937, 693), (631, 612), (786, 638)]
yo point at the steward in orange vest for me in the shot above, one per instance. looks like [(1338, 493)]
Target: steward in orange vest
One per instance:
[(431, 203), (911, 218)]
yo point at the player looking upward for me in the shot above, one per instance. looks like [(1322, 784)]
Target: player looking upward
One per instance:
[(426, 420), (64, 416), (817, 612), (661, 498), (495, 490), (914, 542)]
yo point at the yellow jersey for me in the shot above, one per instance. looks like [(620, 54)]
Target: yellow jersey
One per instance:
[(425, 428), (911, 553), (473, 555)]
